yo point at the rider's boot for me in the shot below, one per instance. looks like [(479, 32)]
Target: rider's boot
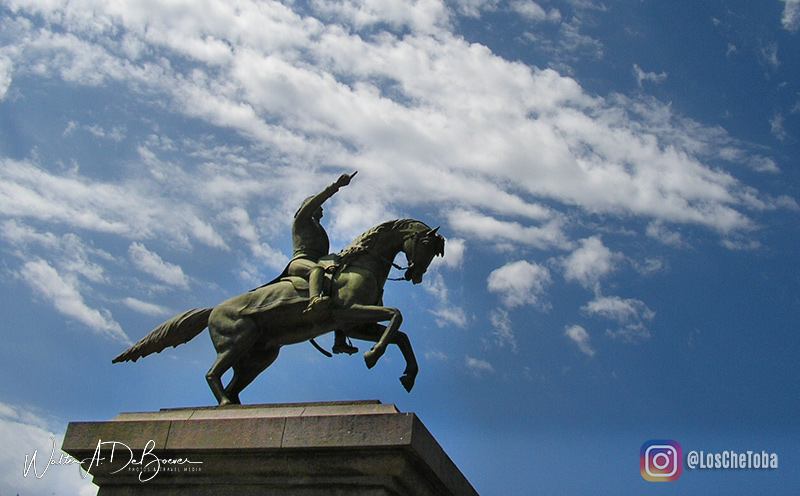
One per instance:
[(341, 344), (318, 305)]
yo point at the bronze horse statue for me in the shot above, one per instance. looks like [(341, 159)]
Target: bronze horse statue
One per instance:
[(249, 330)]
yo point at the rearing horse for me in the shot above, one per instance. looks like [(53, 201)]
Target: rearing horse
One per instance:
[(249, 330)]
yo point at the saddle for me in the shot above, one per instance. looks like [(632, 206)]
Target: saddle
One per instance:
[(329, 264)]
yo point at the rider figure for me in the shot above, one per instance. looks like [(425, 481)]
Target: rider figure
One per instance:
[(310, 243)]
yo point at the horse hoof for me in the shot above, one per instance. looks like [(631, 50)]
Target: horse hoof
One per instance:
[(371, 358), (408, 382)]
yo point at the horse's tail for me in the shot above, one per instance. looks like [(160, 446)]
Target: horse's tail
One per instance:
[(177, 330)]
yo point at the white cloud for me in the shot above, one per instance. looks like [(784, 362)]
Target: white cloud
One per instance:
[(532, 11), (503, 332), (529, 10), (659, 231), (150, 263), (117, 133), (504, 153), (488, 228), (65, 296), (630, 333), (589, 263), (68, 251), (631, 314), (146, 308), (653, 77), (619, 309), (6, 68), (28, 191), (769, 53), (762, 164), (776, 126), (445, 312), (243, 227), (418, 100), (649, 266), (419, 15), (791, 15), (454, 253), (20, 234), (473, 8), (520, 283), (438, 356), (738, 243), (573, 43), (580, 337), (24, 433), (450, 315), (478, 367)]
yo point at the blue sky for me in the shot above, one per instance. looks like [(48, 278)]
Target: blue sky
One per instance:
[(618, 182)]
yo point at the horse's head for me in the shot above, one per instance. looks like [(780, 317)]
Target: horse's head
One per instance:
[(420, 248)]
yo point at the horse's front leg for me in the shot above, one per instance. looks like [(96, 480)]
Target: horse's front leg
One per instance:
[(373, 332), (370, 314)]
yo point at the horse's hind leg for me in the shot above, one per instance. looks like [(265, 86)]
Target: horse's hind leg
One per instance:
[(232, 338), (250, 367), (233, 396)]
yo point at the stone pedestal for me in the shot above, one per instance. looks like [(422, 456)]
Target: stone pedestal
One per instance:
[(308, 449)]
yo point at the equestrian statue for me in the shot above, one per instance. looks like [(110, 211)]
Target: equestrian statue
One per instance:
[(317, 293)]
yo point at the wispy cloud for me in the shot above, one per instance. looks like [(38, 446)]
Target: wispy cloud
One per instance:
[(769, 53), (6, 69), (791, 15), (631, 314), (445, 311), (67, 299), (776, 126), (503, 332), (653, 77), (578, 335), (659, 231), (154, 265), (146, 308), (478, 367), (438, 356), (30, 191), (534, 12)]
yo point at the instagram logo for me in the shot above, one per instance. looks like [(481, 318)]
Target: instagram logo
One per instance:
[(661, 460)]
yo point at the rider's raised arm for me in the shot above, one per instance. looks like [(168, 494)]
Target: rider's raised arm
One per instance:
[(312, 204)]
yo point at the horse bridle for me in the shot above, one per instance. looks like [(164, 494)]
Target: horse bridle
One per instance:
[(430, 232)]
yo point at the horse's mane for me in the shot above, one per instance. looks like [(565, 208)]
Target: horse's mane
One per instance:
[(367, 240)]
